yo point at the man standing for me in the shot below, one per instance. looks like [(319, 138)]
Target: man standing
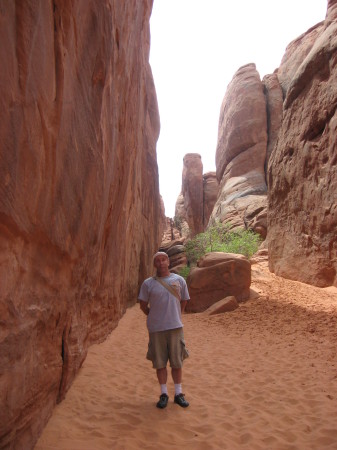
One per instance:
[(163, 299)]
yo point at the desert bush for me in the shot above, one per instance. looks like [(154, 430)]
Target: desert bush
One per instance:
[(184, 272), (195, 248), (219, 238)]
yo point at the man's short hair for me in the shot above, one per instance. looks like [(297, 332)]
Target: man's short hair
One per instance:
[(160, 254)]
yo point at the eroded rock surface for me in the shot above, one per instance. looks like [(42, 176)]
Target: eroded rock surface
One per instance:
[(170, 233), (295, 54), (227, 304), (217, 276), (302, 216), (211, 189), (242, 147), (173, 244), (192, 192), (79, 204), (180, 216), (195, 203), (274, 104)]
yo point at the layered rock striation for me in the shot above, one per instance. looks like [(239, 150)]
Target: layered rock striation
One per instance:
[(173, 244), (302, 215), (79, 204), (241, 153)]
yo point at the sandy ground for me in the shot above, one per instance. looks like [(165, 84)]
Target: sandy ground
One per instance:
[(261, 377)]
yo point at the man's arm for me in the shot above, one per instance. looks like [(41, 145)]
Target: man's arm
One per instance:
[(144, 307), (183, 305), (184, 295)]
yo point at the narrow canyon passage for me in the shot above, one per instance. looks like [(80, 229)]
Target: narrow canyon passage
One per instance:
[(263, 376)]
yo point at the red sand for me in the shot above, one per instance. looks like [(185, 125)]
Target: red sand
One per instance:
[(261, 377)]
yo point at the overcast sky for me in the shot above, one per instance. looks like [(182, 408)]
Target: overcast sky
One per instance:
[(196, 47)]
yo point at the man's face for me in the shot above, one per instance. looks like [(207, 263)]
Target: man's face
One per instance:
[(161, 263)]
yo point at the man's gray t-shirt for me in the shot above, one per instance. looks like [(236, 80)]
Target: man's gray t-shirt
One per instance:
[(165, 310)]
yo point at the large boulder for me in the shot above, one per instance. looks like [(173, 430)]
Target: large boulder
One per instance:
[(175, 249), (302, 215), (179, 259), (177, 256), (227, 304), (213, 258), (217, 276), (176, 252), (166, 245), (80, 213)]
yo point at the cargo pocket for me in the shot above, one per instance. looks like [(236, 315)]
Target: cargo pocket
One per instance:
[(184, 352), (149, 354)]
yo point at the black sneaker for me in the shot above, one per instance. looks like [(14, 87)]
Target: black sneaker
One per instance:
[(163, 399), (180, 400)]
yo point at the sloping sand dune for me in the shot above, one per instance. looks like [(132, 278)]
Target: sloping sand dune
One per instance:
[(261, 377)]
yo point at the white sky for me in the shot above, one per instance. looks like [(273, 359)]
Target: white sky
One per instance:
[(196, 47)]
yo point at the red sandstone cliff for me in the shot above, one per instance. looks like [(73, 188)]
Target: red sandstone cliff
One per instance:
[(241, 153), (302, 214), (79, 203), (284, 128)]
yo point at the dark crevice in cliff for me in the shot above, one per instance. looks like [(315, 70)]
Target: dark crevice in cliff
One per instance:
[(65, 364), (318, 125), (117, 38), (62, 351), (315, 132), (58, 56), (269, 131)]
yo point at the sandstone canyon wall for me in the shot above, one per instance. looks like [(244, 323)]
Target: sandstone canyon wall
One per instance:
[(79, 203), (280, 134), (241, 153), (302, 215)]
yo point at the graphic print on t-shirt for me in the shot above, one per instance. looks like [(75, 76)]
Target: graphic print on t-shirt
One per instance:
[(176, 286)]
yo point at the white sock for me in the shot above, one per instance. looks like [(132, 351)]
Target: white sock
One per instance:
[(178, 389), (163, 389)]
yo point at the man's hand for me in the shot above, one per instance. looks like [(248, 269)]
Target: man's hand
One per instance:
[(183, 305), (144, 307)]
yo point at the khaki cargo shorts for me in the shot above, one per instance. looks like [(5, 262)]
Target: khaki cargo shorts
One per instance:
[(166, 346)]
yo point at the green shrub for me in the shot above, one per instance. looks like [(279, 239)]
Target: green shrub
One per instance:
[(219, 238), (195, 248), (184, 272)]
